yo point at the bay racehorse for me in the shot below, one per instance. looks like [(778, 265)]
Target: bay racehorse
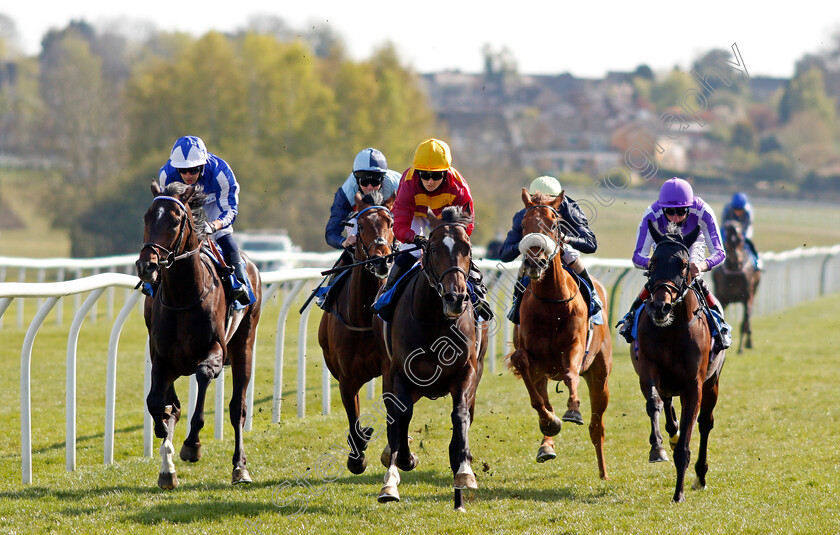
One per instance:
[(555, 339), (189, 328), (736, 280), (436, 347), (671, 356), (346, 335)]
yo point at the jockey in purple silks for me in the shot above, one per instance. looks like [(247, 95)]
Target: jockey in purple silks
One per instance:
[(678, 210)]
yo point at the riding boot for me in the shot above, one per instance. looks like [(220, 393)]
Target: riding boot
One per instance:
[(241, 293), (147, 288), (596, 305), (480, 305), (345, 259), (625, 326), (402, 264), (723, 336), (518, 290)]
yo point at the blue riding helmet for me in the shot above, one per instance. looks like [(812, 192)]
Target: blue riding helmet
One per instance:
[(740, 201)]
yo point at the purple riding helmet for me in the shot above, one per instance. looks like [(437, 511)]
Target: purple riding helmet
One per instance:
[(676, 193)]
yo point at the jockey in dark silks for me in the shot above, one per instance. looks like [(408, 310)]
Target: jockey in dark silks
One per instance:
[(739, 209), (578, 238), (677, 209)]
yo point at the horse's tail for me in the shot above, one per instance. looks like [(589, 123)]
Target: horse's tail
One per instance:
[(509, 365)]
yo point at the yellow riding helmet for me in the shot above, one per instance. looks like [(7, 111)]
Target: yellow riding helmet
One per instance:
[(432, 155), (547, 185)]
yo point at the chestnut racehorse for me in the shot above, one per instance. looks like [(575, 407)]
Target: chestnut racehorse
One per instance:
[(554, 339), (671, 356), (736, 280), (346, 335), (436, 347), (186, 320)]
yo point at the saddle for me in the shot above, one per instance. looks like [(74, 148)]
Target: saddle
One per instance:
[(225, 273), (385, 303), (325, 295)]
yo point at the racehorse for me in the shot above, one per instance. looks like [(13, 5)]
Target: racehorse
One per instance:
[(436, 347), (671, 356), (736, 280), (346, 333), (554, 339), (189, 328)]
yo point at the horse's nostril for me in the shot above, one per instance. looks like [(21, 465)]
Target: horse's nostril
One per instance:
[(666, 308)]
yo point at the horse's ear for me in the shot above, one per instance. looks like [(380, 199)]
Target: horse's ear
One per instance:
[(155, 188), (558, 200), (389, 202), (467, 209), (654, 232), (692, 236), (433, 220), (526, 197), (187, 195), (359, 204)]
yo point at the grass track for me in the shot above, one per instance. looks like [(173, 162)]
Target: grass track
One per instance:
[(774, 454)]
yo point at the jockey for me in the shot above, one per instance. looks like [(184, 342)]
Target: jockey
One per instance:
[(677, 206), (433, 183), (739, 209), (578, 239), (191, 164), (370, 173)]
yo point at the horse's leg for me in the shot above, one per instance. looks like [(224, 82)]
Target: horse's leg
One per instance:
[(399, 413), (690, 402), (571, 379), (705, 423), (745, 327), (206, 371), (241, 358), (357, 438), (460, 458), (671, 424), (165, 414), (654, 408), (599, 397), (550, 424)]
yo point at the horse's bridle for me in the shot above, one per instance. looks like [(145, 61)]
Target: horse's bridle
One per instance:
[(166, 257), (435, 280), (379, 240), (678, 287)]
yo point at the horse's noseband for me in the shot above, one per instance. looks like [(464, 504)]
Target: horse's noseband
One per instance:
[(554, 232), (379, 240)]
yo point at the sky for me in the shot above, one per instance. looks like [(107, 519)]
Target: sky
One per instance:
[(586, 39)]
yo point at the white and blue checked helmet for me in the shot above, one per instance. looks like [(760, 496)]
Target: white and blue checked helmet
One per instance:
[(370, 159)]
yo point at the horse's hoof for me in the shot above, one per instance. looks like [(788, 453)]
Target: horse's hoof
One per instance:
[(551, 428), (658, 455), (545, 453), (240, 475), (413, 461), (697, 484), (465, 481), (573, 416), (188, 453), (461, 509), (356, 466), (673, 441), (167, 481), (385, 458), (388, 494)]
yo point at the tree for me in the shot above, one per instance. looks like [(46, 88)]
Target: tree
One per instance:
[(806, 92), (744, 136)]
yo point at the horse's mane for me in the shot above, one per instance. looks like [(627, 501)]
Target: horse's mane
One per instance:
[(196, 203), (454, 214), (542, 198)]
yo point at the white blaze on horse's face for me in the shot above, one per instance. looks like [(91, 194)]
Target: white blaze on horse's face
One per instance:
[(450, 245)]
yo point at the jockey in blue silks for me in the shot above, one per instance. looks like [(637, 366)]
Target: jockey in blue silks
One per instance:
[(678, 209), (578, 238), (370, 173), (191, 164), (740, 209)]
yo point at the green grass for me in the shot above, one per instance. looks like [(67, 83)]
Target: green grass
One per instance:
[(774, 455)]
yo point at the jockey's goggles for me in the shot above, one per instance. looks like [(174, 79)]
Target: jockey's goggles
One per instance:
[(431, 176), (675, 211), (368, 178), (190, 170)]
